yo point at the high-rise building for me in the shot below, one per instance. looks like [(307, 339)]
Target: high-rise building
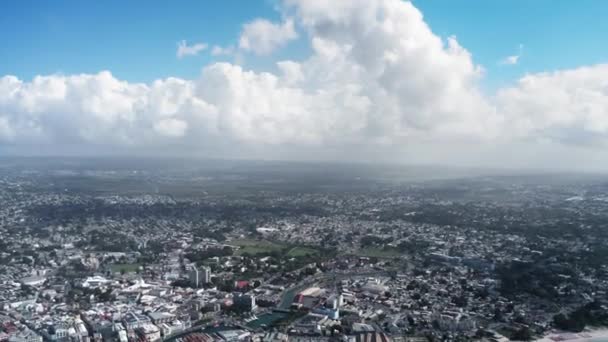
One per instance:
[(199, 277), (206, 275), (245, 302), (195, 277)]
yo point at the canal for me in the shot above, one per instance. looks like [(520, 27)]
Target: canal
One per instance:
[(267, 319)]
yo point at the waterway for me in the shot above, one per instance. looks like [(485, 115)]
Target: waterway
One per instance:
[(269, 318)]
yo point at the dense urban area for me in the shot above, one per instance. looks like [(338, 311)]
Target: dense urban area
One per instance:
[(175, 250)]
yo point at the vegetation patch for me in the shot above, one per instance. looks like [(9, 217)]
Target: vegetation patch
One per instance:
[(302, 251), (125, 268), (379, 252), (257, 247), (265, 247)]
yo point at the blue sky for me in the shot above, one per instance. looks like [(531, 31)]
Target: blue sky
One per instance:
[(136, 40), (556, 34)]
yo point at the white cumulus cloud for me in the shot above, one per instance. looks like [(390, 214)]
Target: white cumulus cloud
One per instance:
[(183, 49), (510, 60), (222, 51), (262, 37), (569, 106), (171, 127), (513, 59), (377, 84)]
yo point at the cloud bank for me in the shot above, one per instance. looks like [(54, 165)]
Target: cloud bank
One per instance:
[(378, 82), (262, 37)]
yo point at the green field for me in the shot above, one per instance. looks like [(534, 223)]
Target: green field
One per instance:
[(253, 247), (302, 251), (379, 252), (128, 268)]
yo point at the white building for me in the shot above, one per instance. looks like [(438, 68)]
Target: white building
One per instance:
[(150, 332), (199, 277), (206, 275), (25, 335), (94, 282), (32, 281), (62, 330), (195, 277)]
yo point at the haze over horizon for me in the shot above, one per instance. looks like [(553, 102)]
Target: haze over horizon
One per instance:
[(420, 82)]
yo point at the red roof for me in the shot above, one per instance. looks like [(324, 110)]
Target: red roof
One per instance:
[(298, 298)]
